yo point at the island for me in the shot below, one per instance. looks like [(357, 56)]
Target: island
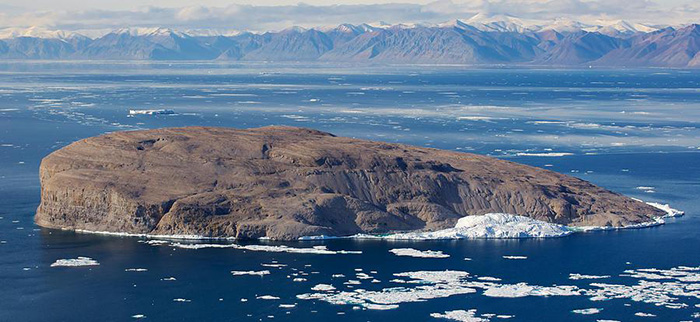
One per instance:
[(284, 183)]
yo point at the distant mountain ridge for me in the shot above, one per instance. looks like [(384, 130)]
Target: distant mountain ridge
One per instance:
[(480, 40)]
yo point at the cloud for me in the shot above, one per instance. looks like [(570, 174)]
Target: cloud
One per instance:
[(263, 18)]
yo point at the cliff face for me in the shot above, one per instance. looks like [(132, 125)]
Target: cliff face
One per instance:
[(283, 183)]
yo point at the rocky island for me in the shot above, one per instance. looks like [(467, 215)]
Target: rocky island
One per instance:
[(284, 183)]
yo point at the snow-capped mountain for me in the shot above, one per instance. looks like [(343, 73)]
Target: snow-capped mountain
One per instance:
[(37, 32), (498, 23), (480, 39)]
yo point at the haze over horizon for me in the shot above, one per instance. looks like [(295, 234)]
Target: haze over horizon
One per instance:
[(94, 18)]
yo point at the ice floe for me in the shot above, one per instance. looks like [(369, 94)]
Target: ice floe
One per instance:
[(460, 315), (267, 297), (524, 289), (255, 273), (418, 253), (75, 262), (576, 276), (545, 154), (587, 311), (514, 257), (275, 265), (182, 300), (645, 315), (660, 287), (319, 250), (151, 112), (323, 288), (431, 284), (136, 270)]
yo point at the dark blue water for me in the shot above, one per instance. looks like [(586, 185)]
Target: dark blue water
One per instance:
[(624, 129)]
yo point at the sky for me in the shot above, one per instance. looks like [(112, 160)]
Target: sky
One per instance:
[(264, 15)]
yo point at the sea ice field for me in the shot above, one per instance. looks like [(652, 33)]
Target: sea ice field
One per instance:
[(636, 132)]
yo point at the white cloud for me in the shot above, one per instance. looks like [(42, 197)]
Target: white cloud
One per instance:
[(262, 18)]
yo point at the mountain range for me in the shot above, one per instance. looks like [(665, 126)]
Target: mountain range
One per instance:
[(480, 40)]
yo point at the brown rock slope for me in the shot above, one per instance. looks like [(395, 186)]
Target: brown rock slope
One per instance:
[(284, 182)]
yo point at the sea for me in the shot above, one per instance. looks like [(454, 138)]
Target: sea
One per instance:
[(636, 132)]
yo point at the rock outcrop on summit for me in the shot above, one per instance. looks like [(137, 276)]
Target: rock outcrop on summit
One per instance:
[(285, 182)]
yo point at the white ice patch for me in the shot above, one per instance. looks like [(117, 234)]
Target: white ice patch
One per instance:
[(136, 270), (514, 257), (645, 315), (460, 315), (545, 154), (430, 285), (75, 262), (275, 265), (255, 273), (318, 250), (475, 118), (576, 276), (151, 112), (655, 286), (523, 290), (670, 212), (267, 297), (323, 288), (418, 253), (665, 288), (587, 311)]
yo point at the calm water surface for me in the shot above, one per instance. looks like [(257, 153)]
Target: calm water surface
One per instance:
[(618, 129)]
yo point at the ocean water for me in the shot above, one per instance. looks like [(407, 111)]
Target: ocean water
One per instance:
[(633, 131)]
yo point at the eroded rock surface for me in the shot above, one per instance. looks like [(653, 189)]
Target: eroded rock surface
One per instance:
[(284, 182)]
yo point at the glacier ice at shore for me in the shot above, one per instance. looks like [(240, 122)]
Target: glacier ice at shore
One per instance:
[(493, 225)]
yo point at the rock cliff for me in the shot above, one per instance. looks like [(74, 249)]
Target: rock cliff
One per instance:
[(285, 182)]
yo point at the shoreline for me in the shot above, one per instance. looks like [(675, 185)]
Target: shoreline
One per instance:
[(407, 236)]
